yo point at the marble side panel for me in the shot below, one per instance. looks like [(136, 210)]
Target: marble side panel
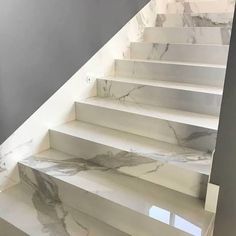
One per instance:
[(195, 20), (182, 6), (187, 73), (170, 98), (212, 54), (93, 189), (162, 130), (35, 207), (194, 35)]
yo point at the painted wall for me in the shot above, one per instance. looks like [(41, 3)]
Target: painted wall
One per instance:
[(224, 165), (43, 43)]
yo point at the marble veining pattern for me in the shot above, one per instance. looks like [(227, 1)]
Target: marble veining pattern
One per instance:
[(182, 6), (183, 72), (209, 54), (108, 183), (194, 20), (194, 35), (56, 218), (176, 99), (47, 202)]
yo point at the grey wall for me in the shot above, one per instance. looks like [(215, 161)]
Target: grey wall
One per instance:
[(44, 42), (224, 165)]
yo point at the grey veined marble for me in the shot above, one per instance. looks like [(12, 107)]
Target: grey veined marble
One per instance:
[(182, 6), (97, 186), (195, 20), (54, 216)]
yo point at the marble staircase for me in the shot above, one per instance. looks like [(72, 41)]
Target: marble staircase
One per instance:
[(137, 159)]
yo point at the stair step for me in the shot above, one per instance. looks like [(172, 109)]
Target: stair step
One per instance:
[(167, 84), (178, 171), (213, 54), (194, 35), (193, 160), (195, 20), (178, 99), (171, 132), (184, 117), (201, 6), (135, 207), (37, 212), (204, 74)]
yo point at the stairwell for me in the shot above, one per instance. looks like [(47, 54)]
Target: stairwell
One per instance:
[(137, 159)]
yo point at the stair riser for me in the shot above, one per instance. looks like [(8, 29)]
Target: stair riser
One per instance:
[(188, 136), (201, 35), (169, 98), (201, 6), (168, 175), (170, 72), (194, 20), (179, 52), (88, 202)]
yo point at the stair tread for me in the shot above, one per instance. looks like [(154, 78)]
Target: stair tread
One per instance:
[(140, 196), (194, 160), (168, 84), (21, 208), (177, 63), (184, 117)]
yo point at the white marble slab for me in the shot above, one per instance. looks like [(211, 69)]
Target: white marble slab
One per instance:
[(198, 88), (195, 20), (212, 54), (197, 161), (163, 97), (163, 113), (181, 6), (162, 130), (37, 210), (204, 74), (111, 193), (194, 35), (186, 178)]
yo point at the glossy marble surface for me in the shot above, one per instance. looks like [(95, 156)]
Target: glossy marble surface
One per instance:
[(205, 74), (208, 6), (195, 20), (189, 87), (126, 119), (162, 113), (212, 54), (159, 163), (93, 176), (158, 96), (195, 35), (37, 206)]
